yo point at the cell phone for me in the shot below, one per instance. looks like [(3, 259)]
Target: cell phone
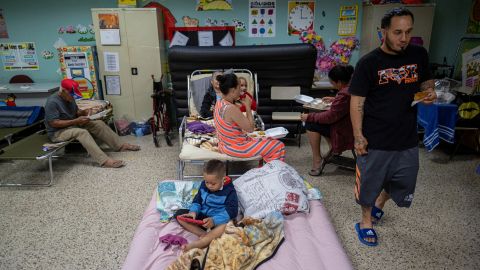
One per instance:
[(190, 220)]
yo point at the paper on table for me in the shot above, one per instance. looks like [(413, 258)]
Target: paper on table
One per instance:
[(303, 99), (179, 39)]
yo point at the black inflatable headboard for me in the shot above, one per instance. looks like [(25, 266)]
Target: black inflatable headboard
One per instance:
[(275, 65)]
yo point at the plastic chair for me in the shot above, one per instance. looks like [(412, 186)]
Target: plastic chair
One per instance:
[(287, 93), (21, 79)]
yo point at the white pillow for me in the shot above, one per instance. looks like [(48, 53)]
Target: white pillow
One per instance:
[(274, 187)]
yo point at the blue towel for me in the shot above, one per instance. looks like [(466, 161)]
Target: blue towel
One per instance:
[(439, 122)]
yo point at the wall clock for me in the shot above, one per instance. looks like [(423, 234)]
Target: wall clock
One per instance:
[(300, 17)]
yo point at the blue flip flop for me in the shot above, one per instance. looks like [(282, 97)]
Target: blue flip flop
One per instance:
[(366, 233), (377, 214)]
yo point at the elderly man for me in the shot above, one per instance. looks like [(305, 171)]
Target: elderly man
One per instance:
[(64, 121)]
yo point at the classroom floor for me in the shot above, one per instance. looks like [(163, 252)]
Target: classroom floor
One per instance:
[(87, 219)]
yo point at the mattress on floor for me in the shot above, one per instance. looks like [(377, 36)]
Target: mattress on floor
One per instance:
[(310, 243)]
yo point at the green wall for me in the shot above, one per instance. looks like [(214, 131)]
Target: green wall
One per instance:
[(38, 21), (449, 26)]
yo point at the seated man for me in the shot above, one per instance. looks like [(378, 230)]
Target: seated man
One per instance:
[(64, 121)]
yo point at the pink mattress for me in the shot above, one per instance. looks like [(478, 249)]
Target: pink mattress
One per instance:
[(310, 243)]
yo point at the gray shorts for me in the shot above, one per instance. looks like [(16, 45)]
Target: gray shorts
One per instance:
[(393, 171)]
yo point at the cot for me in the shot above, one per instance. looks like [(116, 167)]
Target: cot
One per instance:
[(8, 133), (31, 148), (190, 154), (310, 243)]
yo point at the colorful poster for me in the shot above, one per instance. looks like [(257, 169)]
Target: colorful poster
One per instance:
[(19, 56), (3, 25), (261, 18), (203, 5), (301, 15), (471, 71), (109, 29)]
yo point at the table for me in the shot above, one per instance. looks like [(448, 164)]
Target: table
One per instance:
[(439, 122), (29, 94)]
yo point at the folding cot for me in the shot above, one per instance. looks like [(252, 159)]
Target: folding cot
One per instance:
[(195, 155), (8, 133), (31, 148)]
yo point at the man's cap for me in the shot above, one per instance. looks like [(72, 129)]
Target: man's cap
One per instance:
[(71, 86)]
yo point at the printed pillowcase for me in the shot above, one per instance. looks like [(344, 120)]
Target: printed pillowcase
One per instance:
[(274, 187)]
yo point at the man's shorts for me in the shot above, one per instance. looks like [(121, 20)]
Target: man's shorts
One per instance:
[(323, 129), (393, 171)]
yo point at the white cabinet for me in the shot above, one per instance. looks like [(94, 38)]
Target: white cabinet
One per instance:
[(141, 54), (372, 17)]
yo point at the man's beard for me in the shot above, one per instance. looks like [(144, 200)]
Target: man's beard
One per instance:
[(390, 47)]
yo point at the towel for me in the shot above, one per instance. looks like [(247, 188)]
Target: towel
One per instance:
[(439, 121)]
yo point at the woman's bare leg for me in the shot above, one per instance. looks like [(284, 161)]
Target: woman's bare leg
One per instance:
[(314, 139)]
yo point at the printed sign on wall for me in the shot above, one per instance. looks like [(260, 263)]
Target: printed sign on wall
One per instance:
[(19, 56), (261, 18)]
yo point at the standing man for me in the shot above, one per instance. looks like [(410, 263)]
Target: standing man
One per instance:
[(384, 122), (64, 121)]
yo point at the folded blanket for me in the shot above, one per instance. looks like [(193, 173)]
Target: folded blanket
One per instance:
[(198, 127), (241, 248), (20, 116)]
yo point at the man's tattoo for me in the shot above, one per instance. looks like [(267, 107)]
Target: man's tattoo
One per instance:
[(360, 108), (430, 84)]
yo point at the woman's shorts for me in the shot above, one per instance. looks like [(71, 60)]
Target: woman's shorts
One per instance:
[(323, 129)]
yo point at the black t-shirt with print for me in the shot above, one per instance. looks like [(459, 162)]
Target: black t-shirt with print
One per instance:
[(389, 83)]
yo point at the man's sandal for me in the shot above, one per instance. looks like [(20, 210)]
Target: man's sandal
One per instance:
[(365, 233), (377, 214)]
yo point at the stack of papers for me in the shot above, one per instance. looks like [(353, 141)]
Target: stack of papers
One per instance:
[(99, 115)]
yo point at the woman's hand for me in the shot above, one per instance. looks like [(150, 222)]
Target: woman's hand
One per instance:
[(208, 223), (304, 117), (328, 99)]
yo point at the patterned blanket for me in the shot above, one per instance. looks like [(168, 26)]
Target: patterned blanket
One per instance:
[(239, 248)]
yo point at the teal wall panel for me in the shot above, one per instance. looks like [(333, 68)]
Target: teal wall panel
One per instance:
[(38, 21)]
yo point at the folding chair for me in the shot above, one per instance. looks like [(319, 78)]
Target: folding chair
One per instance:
[(190, 154), (287, 93)]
